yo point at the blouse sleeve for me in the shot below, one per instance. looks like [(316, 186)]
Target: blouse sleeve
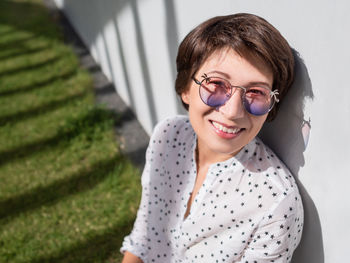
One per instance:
[(278, 234), (136, 241)]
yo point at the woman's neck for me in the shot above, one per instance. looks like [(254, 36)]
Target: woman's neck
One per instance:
[(206, 157)]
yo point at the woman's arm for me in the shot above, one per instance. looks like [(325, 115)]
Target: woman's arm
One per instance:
[(131, 258), (137, 240)]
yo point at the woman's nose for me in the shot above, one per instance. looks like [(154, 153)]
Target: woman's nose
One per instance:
[(233, 108)]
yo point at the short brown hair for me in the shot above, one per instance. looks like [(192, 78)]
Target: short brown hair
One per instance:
[(248, 35)]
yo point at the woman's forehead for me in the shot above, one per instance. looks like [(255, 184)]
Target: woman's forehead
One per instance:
[(230, 64)]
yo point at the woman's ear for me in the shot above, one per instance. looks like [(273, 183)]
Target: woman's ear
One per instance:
[(185, 96)]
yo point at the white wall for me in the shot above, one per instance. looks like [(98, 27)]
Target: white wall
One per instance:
[(135, 42)]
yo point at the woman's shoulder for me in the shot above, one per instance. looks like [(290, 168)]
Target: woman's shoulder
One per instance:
[(264, 161), (173, 121), (174, 126), (268, 172)]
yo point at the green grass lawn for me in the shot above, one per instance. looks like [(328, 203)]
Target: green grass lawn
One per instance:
[(66, 192)]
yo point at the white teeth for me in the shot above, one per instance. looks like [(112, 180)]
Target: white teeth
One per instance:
[(225, 129)]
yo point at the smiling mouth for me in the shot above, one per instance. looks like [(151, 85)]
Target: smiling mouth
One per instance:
[(225, 129)]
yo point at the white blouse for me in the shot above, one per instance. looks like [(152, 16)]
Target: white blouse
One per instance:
[(248, 209)]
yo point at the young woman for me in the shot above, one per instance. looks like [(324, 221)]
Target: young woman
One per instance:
[(212, 191)]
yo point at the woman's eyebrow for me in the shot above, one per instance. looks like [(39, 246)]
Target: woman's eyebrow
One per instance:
[(259, 83), (227, 76)]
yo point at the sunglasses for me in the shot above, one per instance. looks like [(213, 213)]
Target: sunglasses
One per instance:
[(216, 91)]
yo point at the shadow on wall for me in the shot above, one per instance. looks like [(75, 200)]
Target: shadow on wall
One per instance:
[(287, 136), (93, 29), (173, 42)]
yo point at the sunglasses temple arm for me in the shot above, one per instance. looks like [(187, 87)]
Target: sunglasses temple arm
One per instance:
[(196, 81), (202, 86)]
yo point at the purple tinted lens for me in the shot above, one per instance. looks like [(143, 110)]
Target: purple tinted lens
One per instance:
[(216, 100), (214, 93), (256, 107)]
